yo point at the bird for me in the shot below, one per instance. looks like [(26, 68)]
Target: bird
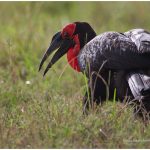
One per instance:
[(109, 60)]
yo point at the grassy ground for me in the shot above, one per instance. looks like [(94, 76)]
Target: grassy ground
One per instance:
[(37, 112)]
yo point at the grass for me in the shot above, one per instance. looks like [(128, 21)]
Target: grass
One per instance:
[(47, 113)]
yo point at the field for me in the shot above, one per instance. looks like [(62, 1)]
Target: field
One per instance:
[(37, 112)]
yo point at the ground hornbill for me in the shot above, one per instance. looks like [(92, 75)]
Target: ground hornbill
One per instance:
[(110, 60)]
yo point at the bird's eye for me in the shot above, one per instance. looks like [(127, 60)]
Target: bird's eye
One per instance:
[(66, 35)]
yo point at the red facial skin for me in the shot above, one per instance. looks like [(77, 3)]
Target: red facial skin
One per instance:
[(68, 30), (73, 52)]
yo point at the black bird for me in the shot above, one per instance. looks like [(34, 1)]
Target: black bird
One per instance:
[(99, 56)]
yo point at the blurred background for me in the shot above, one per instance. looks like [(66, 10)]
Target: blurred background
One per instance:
[(26, 30), (27, 27)]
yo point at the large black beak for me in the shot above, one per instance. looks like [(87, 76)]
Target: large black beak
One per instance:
[(57, 42)]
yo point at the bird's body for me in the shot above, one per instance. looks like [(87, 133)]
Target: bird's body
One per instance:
[(125, 55)]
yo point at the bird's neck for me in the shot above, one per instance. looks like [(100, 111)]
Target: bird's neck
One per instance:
[(86, 33)]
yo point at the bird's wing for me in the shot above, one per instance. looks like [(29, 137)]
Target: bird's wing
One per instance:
[(139, 83), (117, 49), (141, 38)]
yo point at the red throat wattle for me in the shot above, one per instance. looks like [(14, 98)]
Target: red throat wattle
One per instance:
[(73, 53)]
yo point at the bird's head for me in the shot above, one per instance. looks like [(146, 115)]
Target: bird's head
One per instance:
[(69, 40)]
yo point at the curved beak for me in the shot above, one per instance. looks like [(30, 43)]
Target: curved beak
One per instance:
[(57, 42)]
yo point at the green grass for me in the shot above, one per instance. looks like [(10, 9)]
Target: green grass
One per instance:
[(48, 112)]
